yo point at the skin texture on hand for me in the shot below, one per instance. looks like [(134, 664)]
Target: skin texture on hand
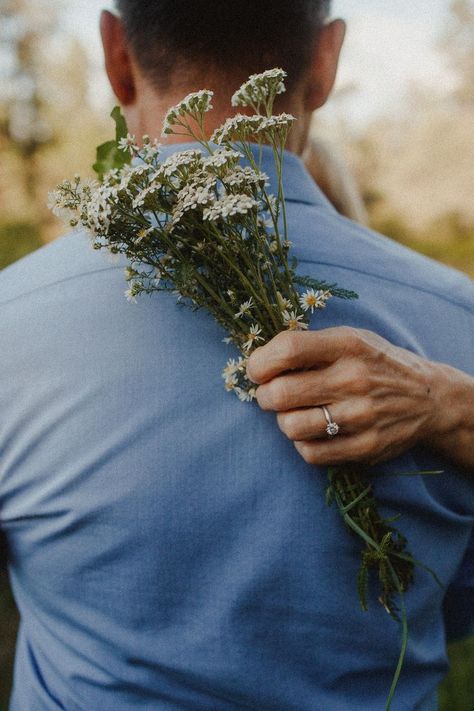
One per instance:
[(385, 399)]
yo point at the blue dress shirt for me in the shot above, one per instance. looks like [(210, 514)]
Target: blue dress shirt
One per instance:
[(168, 548)]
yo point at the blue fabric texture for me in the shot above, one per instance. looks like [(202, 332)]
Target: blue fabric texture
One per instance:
[(168, 548)]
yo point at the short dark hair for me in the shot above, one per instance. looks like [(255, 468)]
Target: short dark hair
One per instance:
[(173, 38)]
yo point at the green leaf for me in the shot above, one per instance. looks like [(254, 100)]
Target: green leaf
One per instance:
[(121, 129), (108, 155)]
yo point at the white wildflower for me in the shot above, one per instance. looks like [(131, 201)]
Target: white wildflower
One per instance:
[(150, 149), (272, 203), (260, 88), (142, 195), (276, 122), (312, 299), (234, 366), (223, 157), (198, 102), (294, 321), (177, 161), (231, 382), (143, 234), (98, 210), (132, 292), (244, 308), (238, 127), (243, 177), (68, 200), (246, 395), (230, 206), (252, 336), (191, 197), (128, 144)]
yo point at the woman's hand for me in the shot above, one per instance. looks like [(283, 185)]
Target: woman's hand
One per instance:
[(385, 399)]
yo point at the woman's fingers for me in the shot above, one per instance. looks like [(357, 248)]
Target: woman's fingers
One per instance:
[(300, 389), (344, 379), (367, 447), (351, 416), (299, 350)]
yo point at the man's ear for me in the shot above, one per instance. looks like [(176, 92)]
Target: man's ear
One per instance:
[(325, 62), (118, 63)]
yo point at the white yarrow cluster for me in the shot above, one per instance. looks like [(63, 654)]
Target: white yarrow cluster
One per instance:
[(178, 161), (222, 158), (192, 196), (198, 102), (260, 88), (230, 206), (277, 122), (240, 177), (237, 128)]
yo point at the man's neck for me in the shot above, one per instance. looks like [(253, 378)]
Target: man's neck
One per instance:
[(146, 117)]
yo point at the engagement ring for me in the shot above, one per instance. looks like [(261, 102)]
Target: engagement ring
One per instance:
[(332, 428)]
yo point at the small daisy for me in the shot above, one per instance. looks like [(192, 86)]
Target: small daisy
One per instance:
[(128, 144), (230, 369), (130, 296), (244, 308), (312, 299), (252, 337), (231, 383), (293, 321), (245, 395)]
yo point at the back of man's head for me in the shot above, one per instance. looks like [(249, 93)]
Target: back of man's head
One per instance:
[(175, 39)]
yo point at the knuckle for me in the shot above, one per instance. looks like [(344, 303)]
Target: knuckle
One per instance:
[(273, 395), (287, 422), (369, 446), (263, 398), (352, 338), (356, 377), (287, 345), (280, 394), (254, 366), (364, 415)]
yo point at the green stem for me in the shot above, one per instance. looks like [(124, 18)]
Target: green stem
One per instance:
[(404, 620)]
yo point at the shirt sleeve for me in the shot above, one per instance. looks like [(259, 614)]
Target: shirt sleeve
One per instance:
[(459, 600)]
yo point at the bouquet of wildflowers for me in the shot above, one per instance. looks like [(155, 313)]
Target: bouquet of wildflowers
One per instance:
[(203, 225)]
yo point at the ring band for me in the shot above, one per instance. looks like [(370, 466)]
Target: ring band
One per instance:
[(332, 428)]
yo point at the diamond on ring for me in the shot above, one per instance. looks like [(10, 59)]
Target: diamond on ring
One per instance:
[(332, 428)]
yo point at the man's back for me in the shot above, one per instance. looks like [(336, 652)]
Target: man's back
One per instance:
[(169, 549)]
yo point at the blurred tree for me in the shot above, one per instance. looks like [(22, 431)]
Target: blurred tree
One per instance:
[(47, 126), (23, 27), (458, 43)]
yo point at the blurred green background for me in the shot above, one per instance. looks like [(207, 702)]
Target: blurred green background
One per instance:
[(413, 168)]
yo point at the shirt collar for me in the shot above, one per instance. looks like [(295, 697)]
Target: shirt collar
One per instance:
[(298, 185)]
